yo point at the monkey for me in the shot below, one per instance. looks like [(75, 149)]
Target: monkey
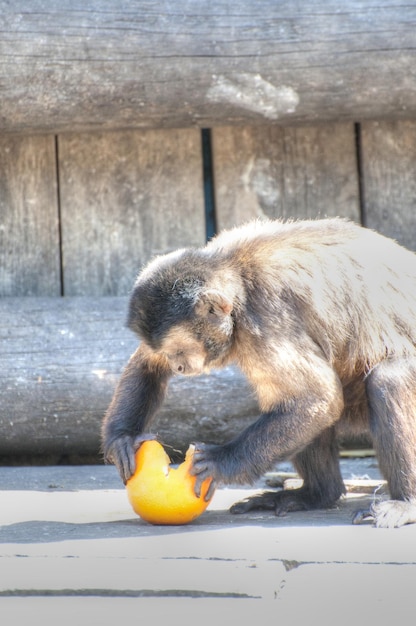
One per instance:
[(320, 316)]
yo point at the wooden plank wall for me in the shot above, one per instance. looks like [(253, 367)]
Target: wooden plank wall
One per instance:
[(80, 213), (299, 172), (29, 225), (389, 179)]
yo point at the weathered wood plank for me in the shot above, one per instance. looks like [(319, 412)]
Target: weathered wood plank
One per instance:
[(297, 172), (59, 363), (124, 197), (389, 169), (73, 65), (29, 232)]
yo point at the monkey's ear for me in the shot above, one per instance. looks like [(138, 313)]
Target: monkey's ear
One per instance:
[(213, 303)]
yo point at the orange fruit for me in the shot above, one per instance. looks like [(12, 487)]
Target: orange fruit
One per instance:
[(161, 494)]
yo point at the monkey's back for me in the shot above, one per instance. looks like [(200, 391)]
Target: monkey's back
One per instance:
[(350, 288)]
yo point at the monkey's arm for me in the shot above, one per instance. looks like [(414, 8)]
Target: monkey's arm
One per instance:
[(308, 404), (139, 394)]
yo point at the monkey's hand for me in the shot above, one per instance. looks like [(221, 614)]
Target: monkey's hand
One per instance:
[(206, 464), (122, 452)]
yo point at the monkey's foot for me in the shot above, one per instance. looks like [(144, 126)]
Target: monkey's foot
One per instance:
[(388, 514), (263, 502), (281, 502)]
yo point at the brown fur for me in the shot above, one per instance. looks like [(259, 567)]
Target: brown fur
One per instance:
[(310, 311)]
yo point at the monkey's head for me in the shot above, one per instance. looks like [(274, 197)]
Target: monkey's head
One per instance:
[(178, 311)]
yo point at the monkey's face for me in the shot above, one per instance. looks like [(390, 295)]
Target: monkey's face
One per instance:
[(181, 319), (192, 349), (185, 354)]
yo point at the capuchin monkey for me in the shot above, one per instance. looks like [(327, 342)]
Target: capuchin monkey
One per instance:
[(321, 318)]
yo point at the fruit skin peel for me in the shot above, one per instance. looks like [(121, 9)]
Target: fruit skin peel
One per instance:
[(162, 494)]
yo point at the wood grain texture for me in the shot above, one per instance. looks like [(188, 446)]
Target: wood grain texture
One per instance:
[(125, 197), (29, 231), (60, 361), (297, 172), (70, 65), (389, 170)]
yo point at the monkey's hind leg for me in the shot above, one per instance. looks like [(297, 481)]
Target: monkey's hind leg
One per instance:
[(318, 465), (391, 391)]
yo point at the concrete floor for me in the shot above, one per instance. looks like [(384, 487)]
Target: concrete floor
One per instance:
[(72, 551)]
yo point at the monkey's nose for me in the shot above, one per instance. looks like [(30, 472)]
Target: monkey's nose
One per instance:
[(180, 369)]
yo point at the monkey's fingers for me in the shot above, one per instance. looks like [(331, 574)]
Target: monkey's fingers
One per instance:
[(211, 489), (200, 471), (198, 488), (126, 464), (121, 453), (203, 467)]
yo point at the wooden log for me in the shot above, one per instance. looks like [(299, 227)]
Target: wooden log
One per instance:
[(60, 361), (85, 65)]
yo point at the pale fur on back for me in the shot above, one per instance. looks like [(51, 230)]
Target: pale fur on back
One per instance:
[(358, 287)]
